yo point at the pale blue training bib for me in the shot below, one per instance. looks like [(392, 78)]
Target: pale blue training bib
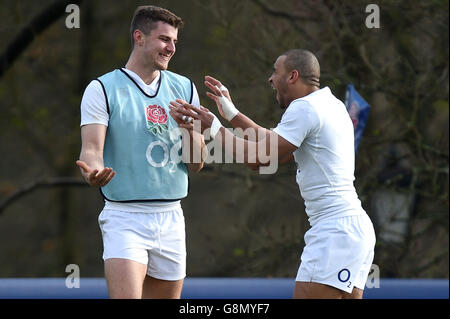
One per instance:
[(143, 143)]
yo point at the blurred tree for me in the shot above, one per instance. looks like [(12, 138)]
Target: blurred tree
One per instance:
[(36, 26)]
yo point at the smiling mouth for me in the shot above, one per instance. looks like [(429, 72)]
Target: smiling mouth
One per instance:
[(165, 56)]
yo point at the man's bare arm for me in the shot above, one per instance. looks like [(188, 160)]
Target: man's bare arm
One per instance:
[(196, 160), (91, 156), (270, 150), (193, 145), (256, 154)]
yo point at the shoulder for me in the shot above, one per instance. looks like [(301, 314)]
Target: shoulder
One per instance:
[(182, 84), (317, 103), (299, 107), (110, 75), (301, 113), (300, 104), (94, 88), (175, 76)]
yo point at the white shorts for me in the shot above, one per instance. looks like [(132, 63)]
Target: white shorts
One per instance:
[(153, 239), (338, 252)]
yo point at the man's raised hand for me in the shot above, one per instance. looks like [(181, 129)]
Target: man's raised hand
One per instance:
[(183, 121), (180, 108), (222, 98)]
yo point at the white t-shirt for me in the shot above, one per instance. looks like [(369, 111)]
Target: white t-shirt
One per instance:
[(94, 111), (319, 125)]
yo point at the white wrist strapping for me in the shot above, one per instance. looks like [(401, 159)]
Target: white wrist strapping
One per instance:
[(215, 127), (228, 108)]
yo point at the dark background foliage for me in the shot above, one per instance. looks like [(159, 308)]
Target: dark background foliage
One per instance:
[(238, 223)]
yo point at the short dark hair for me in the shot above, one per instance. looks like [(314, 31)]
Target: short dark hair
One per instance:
[(145, 17), (306, 63)]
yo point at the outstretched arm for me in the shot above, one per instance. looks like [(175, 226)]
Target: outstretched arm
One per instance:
[(91, 156), (264, 154)]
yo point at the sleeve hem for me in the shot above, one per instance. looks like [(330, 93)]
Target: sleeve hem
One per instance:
[(286, 137), (93, 122)]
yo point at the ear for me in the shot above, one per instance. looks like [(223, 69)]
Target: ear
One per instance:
[(293, 76), (138, 37)]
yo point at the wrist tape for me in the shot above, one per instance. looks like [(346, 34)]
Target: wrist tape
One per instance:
[(228, 108)]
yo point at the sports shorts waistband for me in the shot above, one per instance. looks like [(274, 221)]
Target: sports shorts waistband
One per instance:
[(148, 207)]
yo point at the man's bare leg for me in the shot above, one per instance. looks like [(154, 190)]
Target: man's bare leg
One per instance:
[(161, 289), (313, 290), (124, 278)]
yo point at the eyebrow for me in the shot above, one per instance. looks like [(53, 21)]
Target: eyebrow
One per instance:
[(167, 37)]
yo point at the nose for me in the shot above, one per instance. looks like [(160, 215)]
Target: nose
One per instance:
[(270, 81), (171, 47)]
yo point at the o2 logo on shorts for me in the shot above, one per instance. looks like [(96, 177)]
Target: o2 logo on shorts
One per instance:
[(344, 276)]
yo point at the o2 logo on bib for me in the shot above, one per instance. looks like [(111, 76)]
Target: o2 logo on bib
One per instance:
[(344, 276)]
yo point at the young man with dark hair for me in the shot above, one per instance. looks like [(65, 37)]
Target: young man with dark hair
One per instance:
[(127, 150)]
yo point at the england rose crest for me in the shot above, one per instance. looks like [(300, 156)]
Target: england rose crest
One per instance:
[(156, 119)]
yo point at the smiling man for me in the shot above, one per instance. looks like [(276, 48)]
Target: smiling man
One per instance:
[(126, 132), (316, 131)]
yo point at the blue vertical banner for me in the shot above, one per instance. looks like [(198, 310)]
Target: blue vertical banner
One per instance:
[(358, 109)]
